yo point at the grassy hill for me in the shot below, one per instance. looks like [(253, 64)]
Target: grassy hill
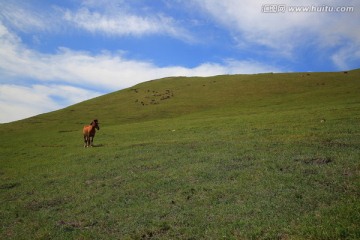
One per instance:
[(264, 156)]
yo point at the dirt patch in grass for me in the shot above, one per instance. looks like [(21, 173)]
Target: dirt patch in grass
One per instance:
[(8, 186), (36, 205), (314, 160)]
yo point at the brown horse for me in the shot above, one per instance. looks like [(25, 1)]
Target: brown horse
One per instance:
[(89, 133)]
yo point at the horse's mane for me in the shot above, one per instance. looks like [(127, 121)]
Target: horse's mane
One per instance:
[(95, 120)]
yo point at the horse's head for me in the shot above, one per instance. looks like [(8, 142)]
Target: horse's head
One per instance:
[(95, 124)]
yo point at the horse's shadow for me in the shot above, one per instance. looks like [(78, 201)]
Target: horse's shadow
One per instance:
[(98, 145)]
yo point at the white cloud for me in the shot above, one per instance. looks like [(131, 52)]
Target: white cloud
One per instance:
[(346, 57), (110, 18), (119, 22), (26, 17), (18, 102), (104, 71), (285, 33)]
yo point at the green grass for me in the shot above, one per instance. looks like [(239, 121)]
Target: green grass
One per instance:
[(225, 157)]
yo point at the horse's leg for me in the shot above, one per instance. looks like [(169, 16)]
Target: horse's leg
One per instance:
[(92, 140), (85, 141)]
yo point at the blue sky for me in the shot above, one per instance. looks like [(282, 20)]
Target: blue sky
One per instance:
[(57, 53)]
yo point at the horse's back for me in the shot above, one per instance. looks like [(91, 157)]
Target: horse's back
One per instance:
[(86, 129), (89, 130)]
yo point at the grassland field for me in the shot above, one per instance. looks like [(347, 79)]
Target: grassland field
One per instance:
[(263, 156)]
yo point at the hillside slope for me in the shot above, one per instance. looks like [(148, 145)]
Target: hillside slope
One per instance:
[(264, 156), (175, 96)]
